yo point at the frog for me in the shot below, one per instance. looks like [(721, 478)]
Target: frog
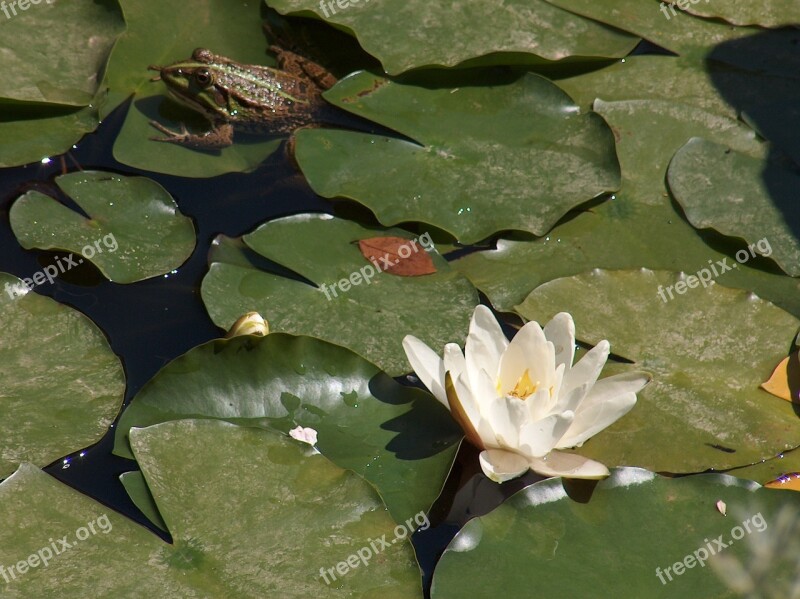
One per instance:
[(245, 97)]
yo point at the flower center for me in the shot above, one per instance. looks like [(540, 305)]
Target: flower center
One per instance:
[(524, 386)]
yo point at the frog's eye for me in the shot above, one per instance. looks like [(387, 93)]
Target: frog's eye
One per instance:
[(202, 77)]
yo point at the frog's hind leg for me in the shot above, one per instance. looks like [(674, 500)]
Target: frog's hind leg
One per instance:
[(292, 60)]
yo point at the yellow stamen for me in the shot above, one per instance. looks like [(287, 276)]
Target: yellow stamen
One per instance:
[(524, 386)]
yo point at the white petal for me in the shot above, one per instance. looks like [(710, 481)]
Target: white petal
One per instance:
[(485, 344), (506, 416), (528, 350), (471, 409), (536, 439), (453, 360), (428, 366), (568, 465), (596, 418), (610, 399), (561, 332), (500, 465), (586, 371)]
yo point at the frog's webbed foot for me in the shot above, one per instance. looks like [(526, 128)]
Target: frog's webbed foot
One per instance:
[(298, 65), (293, 60), (218, 137)]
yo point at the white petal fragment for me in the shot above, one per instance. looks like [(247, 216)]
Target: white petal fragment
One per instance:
[(500, 465), (306, 435), (568, 465)]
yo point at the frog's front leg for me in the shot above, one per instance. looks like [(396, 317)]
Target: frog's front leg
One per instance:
[(220, 136)]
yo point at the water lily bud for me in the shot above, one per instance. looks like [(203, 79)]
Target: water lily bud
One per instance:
[(249, 324)]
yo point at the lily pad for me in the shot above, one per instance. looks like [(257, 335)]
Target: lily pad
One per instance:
[(740, 196), (160, 33), (775, 13), (408, 34), (61, 385), (640, 226), (63, 66), (708, 348), (398, 438), (622, 541), (250, 516), (351, 305), (671, 29), (517, 154), (134, 231), (137, 489), (32, 133)]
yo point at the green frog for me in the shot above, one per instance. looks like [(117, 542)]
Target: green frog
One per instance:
[(245, 97)]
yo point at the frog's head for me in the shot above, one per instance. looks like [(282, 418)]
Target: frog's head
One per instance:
[(198, 83)]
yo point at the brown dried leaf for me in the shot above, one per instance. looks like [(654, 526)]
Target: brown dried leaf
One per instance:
[(785, 379), (397, 256)]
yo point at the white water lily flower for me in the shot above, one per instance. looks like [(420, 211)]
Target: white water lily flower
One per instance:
[(522, 400)]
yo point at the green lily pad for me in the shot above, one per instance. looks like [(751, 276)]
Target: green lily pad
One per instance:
[(640, 226), (250, 516), (776, 13), (706, 85), (398, 438), (63, 66), (408, 34), (33, 133), (740, 196), (61, 384), (674, 30), (708, 348), (161, 33), (618, 543), (515, 155), (134, 231), (370, 317), (137, 489)]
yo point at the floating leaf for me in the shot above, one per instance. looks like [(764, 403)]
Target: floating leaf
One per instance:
[(134, 231), (708, 348), (740, 196), (36, 67), (60, 384), (775, 13), (653, 20), (249, 514), (397, 255), (640, 226), (517, 154), (598, 541), (33, 133), (352, 305), (408, 34), (400, 439)]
